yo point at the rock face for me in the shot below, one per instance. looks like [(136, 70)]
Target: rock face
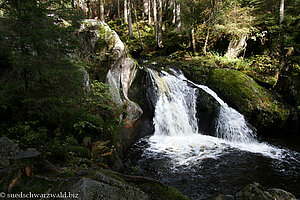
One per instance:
[(141, 92), (256, 192), (8, 149), (289, 86), (102, 49), (241, 92), (108, 185), (208, 110), (89, 189), (119, 69)]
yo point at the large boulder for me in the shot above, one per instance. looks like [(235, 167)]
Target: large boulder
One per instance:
[(208, 110), (140, 92), (103, 50), (8, 149), (106, 184), (289, 86), (258, 104), (88, 189), (255, 191)]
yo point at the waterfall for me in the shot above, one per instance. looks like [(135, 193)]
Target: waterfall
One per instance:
[(175, 111), (176, 130), (231, 125)]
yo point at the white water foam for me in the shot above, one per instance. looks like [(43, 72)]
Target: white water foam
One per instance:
[(186, 151), (176, 131)]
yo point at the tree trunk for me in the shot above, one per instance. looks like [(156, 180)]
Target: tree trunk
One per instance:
[(174, 13), (193, 40), (159, 27), (155, 19), (119, 12), (88, 9), (125, 12), (130, 20), (236, 46), (206, 41), (178, 19), (281, 12), (145, 8), (137, 24), (101, 10), (149, 12)]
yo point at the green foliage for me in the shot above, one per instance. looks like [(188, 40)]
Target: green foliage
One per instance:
[(42, 100), (29, 133), (34, 82), (235, 20), (264, 64), (99, 99)]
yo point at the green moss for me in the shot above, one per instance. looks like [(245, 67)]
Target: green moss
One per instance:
[(264, 80), (155, 189), (80, 151), (242, 92), (161, 191)]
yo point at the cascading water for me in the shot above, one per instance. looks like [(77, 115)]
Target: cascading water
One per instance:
[(175, 111), (176, 130), (231, 125), (200, 165)]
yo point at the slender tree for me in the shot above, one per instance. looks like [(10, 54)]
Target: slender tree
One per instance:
[(206, 42), (281, 12), (149, 12), (126, 11), (119, 11), (174, 11), (159, 24), (193, 40), (101, 10), (137, 23), (178, 18), (130, 29), (155, 19), (145, 8)]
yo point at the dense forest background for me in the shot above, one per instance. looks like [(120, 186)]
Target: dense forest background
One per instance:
[(43, 103)]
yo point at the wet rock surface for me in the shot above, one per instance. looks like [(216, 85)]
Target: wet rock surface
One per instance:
[(8, 149), (89, 189), (255, 191)]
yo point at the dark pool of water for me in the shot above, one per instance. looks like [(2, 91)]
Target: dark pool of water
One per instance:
[(227, 174)]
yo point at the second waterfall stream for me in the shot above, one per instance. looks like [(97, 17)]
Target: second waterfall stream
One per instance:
[(176, 130)]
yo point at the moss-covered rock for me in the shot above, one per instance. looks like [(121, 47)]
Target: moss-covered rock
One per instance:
[(258, 104), (255, 191), (93, 183), (153, 188), (289, 87), (110, 62), (197, 74), (263, 80)]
